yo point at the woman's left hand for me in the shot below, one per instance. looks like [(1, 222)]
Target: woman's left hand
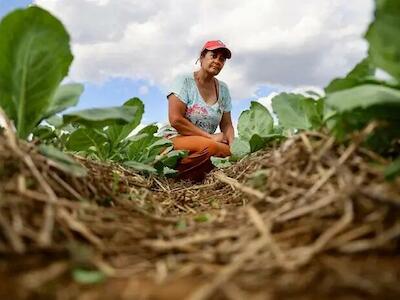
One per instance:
[(227, 128), (226, 140)]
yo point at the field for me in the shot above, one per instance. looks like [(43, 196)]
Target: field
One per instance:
[(323, 225)]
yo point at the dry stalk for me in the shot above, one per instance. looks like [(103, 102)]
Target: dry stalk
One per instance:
[(303, 255), (13, 237), (79, 227), (236, 185), (47, 228), (186, 243), (307, 209), (368, 244), (265, 231), (66, 186), (206, 290)]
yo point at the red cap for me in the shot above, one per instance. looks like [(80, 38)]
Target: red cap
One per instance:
[(212, 45)]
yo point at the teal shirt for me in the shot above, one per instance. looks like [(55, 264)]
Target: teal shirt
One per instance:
[(201, 114)]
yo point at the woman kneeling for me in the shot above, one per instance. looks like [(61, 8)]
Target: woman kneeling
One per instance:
[(198, 103)]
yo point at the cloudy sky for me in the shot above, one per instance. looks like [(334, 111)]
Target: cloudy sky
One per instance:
[(127, 48)]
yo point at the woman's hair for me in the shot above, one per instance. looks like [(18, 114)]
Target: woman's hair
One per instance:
[(204, 52)]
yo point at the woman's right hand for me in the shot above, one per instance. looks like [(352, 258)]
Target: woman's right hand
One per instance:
[(219, 137)]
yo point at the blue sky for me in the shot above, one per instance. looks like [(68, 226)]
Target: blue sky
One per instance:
[(132, 48), (116, 91), (113, 91), (8, 5)]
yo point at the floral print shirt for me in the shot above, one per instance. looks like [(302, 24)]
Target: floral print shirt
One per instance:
[(201, 114)]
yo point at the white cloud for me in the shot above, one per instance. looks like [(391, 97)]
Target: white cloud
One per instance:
[(144, 90), (274, 42)]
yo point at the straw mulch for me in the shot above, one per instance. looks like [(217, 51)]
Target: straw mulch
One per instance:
[(307, 219)]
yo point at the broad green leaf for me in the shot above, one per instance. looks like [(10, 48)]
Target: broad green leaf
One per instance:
[(358, 106), (169, 172), (240, 148), (67, 95), (137, 148), (297, 111), (393, 170), (257, 142), (55, 121), (88, 276), (315, 112), (69, 127), (256, 120), (34, 58), (63, 161), (43, 132), (383, 37), (101, 117), (158, 146), (360, 74), (138, 166), (117, 133), (363, 96), (136, 145), (138, 137), (383, 140), (220, 162), (149, 129), (171, 158), (313, 93), (86, 139)]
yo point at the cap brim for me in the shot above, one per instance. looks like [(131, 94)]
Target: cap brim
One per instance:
[(229, 54)]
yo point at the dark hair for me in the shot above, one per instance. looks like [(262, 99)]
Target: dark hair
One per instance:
[(205, 51)]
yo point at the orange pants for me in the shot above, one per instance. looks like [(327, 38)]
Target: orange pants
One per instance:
[(197, 164)]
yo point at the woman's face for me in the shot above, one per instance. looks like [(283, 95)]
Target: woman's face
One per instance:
[(213, 61)]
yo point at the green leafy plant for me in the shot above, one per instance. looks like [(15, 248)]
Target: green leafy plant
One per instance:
[(102, 130), (383, 37), (363, 72), (66, 96), (220, 162), (361, 97), (255, 129), (296, 111), (104, 134), (63, 161), (35, 56), (151, 154)]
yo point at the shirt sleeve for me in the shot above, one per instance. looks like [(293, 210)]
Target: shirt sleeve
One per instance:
[(227, 99), (180, 89)]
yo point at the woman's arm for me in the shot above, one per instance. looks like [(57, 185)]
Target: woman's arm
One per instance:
[(176, 115), (227, 127)]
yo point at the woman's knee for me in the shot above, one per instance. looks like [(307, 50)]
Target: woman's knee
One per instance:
[(218, 149), (201, 144), (224, 150), (211, 147)]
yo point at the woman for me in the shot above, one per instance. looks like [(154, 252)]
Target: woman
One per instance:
[(198, 103)]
